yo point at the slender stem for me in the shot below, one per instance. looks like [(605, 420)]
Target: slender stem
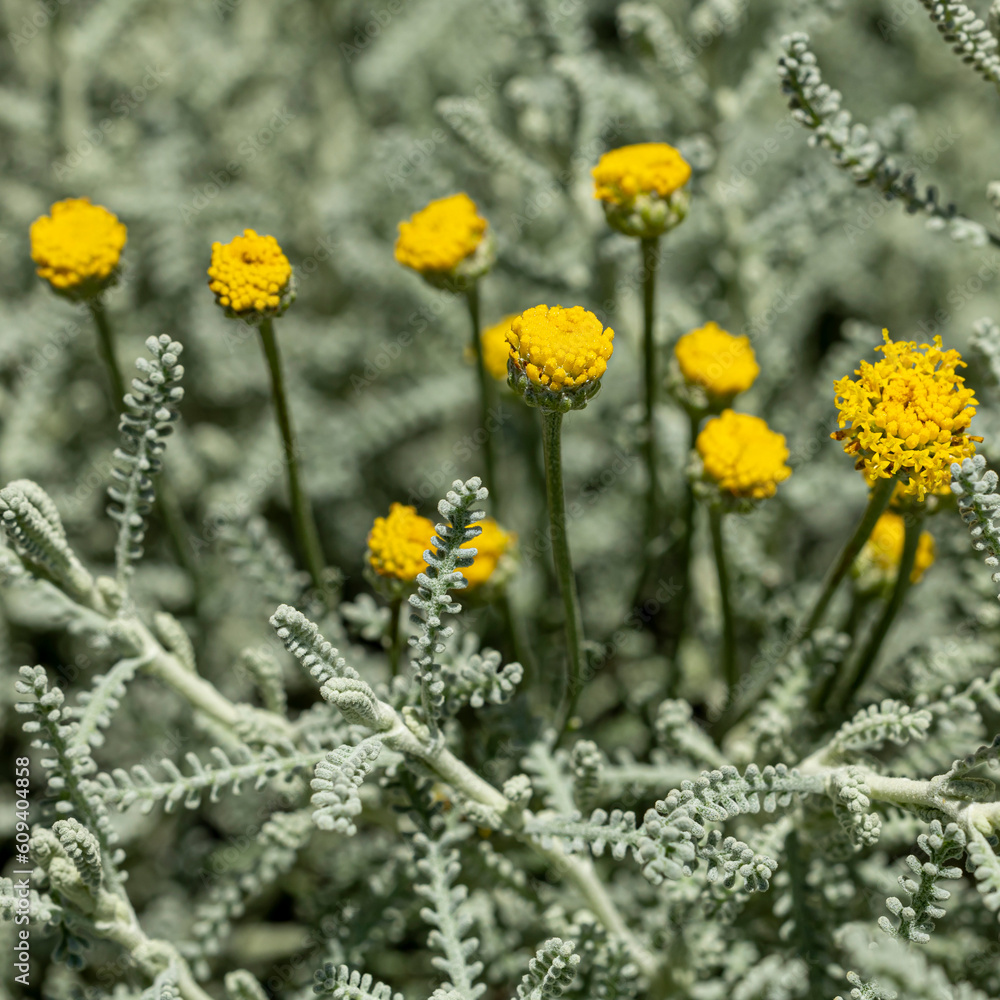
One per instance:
[(679, 619), (395, 642), (106, 345), (650, 258), (487, 397), (302, 516), (866, 661), (878, 500), (552, 445), (729, 667)]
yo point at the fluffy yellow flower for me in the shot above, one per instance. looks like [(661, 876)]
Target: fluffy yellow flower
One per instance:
[(496, 350), (743, 455), (560, 348), (884, 548), (645, 168), (250, 274), (491, 544), (722, 364), (77, 247), (908, 413), (438, 238), (641, 188), (396, 544)]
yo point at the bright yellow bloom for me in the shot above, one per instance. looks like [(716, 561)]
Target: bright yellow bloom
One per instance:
[(743, 455), (250, 274), (396, 544), (645, 168), (884, 548), (491, 544), (560, 348), (496, 350), (908, 413), (77, 247), (439, 237), (722, 364)]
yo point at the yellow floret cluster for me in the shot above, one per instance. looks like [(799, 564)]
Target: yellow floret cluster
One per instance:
[(722, 364), (743, 455), (78, 245), (496, 349), (645, 168), (396, 544), (439, 237), (560, 348), (908, 413), (249, 274), (491, 544), (884, 548)]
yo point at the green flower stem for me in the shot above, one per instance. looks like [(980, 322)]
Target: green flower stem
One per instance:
[(302, 516), (552, 447), (395, 641), (170, 508), (679, 619), (866, 661), (487, 398), (106, 345), (729, 667), (878, 500), (650, 258)]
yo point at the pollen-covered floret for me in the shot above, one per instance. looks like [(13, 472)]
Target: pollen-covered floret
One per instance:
[(490, 546), (77, 247), (644, 168), (250, 274), (496, 349), (439, 237), (396, 544), (884, 548), (909, 414), (743, 455), (560, 348), (722, 364)]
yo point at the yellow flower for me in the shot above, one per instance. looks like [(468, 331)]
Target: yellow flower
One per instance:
[(884, 548), (908, 413), (559, 351), (396, 544), (743, 455), (641, 188), (722, 364), (441, 241), (250, 276), (496, 350), (491, 544), (77, 247)]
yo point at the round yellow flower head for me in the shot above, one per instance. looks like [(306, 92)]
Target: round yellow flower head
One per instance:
[(716, 361), (496, 350), (396, 544), (490, 546), (743, 455), (77, 247), (557, 356), (446, 242), (251, 277), (641, 187), (907, 414), (884, 548)]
